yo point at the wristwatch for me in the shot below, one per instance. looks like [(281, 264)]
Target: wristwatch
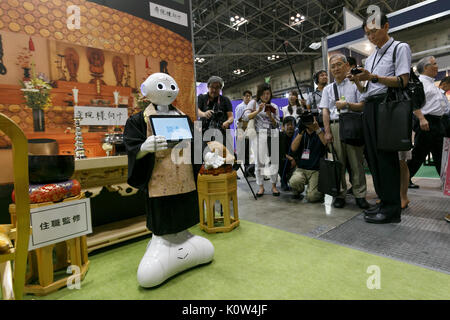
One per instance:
[(374, 79), (318, 131)]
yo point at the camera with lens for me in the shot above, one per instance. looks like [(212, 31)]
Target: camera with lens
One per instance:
[(307, 116), (216, 120), (355, 70)]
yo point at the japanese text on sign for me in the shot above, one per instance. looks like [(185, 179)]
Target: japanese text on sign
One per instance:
[(58, 222), (168, 14), (101, 116)]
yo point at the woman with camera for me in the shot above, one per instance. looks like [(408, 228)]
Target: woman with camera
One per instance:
[(267, 119)]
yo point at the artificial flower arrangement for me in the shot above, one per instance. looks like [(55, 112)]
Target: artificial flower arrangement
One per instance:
[(141, 101), (36, 92)]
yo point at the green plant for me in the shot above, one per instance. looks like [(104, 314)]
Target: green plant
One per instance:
[(36, 92), (141, 101)]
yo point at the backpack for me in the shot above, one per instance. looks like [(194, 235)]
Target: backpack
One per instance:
[(414, 88)]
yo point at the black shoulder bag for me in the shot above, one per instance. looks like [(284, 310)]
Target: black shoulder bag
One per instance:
[(350, 125), (330, 175), (414, 88), (394, 117)]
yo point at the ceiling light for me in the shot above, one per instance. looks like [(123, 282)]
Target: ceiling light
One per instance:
[(236, 22), (298, 19), (315, 45)]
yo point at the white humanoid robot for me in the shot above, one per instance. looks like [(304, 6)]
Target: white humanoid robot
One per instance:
[(167, 253)]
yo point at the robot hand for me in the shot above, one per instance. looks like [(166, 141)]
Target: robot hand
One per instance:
[(213, 160), (154, 143)]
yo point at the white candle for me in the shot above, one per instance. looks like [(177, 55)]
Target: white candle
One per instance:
[(75, 96), (116, 98)]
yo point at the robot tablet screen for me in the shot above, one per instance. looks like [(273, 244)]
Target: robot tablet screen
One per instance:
[(173, 128)]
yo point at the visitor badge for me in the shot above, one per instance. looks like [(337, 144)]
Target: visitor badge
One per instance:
[(305, 154)]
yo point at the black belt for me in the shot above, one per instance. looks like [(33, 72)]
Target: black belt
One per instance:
[(376, 97), (334, 121), (432, 117)]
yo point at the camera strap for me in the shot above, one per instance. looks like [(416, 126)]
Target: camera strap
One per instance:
[(336, 93), (375, 63), (317, 92)]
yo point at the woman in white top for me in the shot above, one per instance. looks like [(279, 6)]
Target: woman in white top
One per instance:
[(291, 108), (267, 119)]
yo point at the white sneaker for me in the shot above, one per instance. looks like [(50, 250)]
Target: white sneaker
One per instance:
[(171, 254)]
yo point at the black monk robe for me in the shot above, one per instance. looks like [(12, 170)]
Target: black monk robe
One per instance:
[(167, 214)]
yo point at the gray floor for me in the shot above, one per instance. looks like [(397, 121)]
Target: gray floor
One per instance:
[(422, 238)]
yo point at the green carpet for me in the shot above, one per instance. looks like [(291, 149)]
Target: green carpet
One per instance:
[(423, 172), (427, 172), (259, 262)]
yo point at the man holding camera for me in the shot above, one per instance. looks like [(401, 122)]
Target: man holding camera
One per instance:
[(339, 97), (215, 110), (307, 147), (381, 72)]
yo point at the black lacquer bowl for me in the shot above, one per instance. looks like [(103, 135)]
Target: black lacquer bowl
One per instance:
[(50, 168)]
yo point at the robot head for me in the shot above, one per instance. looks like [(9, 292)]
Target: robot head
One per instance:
[(160, 88)]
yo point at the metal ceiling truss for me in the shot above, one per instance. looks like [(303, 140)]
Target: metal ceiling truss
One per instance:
[(226, 49)]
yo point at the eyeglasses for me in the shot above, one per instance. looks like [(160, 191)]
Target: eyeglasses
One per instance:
[(371, 31), (215, 87), (336, 65)]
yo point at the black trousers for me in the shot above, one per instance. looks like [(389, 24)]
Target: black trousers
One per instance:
[(384, 165), (243, 144), (285, 171), (426, 142)]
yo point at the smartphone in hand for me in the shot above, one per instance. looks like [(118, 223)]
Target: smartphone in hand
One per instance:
[(270, 107)]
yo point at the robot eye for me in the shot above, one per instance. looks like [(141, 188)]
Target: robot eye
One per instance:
[(161, 86), (172, 86)]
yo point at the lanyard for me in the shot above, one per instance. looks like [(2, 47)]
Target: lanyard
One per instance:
[(212, 100), (307, 139), (374, 60)]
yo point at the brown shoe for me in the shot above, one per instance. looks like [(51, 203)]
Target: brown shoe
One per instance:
[(447, 218)]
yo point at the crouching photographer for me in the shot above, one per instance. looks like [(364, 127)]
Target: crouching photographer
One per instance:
[(308, 147)]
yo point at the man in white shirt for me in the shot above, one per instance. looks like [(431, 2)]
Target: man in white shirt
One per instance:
[(429, 133), (242, 142), (347, 100), (313, 99), (381, 72)]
